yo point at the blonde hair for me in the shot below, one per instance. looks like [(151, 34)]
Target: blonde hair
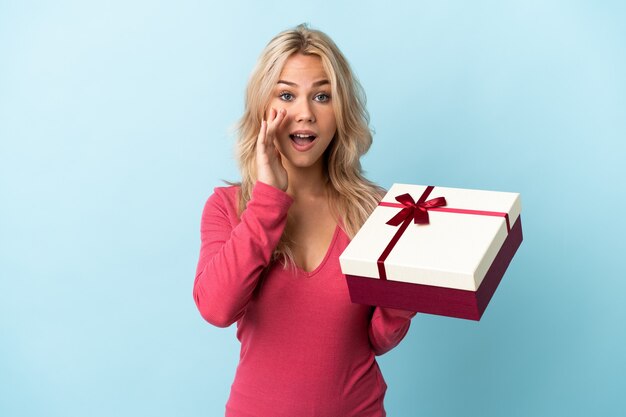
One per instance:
[(351, 196)]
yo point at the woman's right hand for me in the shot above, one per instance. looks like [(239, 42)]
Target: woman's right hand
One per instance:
[(270, 169)]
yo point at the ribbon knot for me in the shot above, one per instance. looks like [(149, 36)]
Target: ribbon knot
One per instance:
[(418, 211)]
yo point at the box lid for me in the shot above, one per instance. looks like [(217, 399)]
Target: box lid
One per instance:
[(454, 250)]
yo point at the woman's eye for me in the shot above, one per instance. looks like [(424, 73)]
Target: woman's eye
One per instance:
[(286, 96), (323, 97)]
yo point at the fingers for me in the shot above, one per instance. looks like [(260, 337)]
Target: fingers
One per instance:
[(262, 135), (275, 118), (267, 133)]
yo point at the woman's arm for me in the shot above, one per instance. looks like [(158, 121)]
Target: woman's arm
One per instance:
[(232, 259), (388, 327)]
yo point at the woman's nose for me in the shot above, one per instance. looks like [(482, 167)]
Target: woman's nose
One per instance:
[(304, 112)]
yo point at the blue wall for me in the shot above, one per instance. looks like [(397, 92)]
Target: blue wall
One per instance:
[(116, 123)]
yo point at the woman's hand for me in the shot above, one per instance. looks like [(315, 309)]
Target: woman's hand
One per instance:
[(270, 169)]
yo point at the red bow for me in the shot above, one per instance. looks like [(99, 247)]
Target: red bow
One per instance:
[(418, 211)]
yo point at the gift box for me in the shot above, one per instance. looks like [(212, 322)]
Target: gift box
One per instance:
[(435, 250)]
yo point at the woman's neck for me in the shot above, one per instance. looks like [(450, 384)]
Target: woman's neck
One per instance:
[(310, 182)]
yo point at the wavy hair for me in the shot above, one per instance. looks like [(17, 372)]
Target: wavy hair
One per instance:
[(352, 197)]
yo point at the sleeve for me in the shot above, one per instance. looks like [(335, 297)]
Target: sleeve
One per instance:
[(232, 259), (388, 327)]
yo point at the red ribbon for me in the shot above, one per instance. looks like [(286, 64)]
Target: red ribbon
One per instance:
[(418, 212)]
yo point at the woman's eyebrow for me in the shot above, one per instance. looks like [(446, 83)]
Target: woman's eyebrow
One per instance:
[(292, 84)]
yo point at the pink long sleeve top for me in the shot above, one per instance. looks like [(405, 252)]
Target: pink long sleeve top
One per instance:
[(306, 349)]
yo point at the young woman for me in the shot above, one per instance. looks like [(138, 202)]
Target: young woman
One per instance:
[(270, 245)]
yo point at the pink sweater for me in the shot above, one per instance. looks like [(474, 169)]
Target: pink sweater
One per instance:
[(306, 349)]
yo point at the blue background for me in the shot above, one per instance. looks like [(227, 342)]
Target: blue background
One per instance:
[(116, 123)]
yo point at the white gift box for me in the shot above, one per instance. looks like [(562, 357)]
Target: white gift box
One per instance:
[(450, 266)]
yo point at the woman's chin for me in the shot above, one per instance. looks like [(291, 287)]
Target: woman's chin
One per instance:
[(302, 161)]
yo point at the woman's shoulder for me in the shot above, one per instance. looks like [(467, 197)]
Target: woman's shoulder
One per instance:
[(229, 191), (224, 199)]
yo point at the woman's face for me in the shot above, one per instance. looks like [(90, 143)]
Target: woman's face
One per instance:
[(303, 90)]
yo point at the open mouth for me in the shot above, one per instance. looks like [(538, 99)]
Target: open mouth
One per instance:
[(302, 140)]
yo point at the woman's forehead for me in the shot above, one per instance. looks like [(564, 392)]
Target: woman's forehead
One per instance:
[(304, 68)]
